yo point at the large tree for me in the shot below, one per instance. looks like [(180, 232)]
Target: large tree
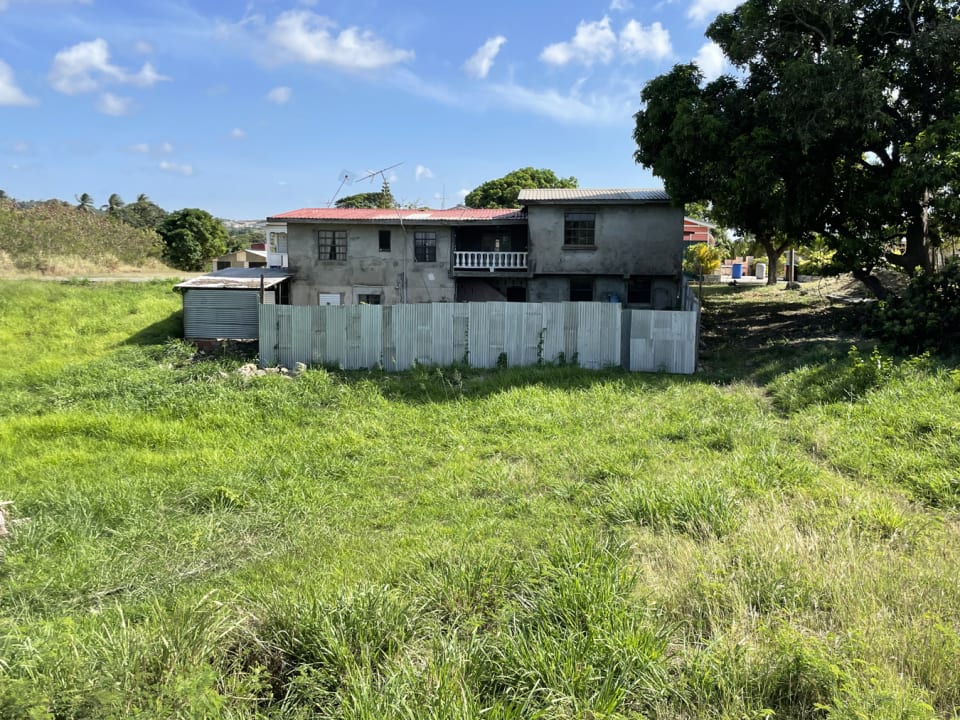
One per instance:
[(192, 237), (503, 191), (856, 101), (144, 213), (383, 199)]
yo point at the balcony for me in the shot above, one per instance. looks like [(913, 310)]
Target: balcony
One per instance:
[(492, 261)]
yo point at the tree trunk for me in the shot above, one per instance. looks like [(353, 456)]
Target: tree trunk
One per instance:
[(917, 253), (774, 252), (872, 283)]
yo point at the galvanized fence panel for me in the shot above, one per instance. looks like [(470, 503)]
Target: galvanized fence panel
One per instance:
[(595, 335), (214, 314)]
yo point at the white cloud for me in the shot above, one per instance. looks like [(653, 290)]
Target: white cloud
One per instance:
[(572, 108), (280, 95), (84, 66), (593, 42), (711, 61), (143, 47), (703, 9), (111, 104), (10, 92), (637, 41), (185, 170), (620, 5), (479, 64), (141, 148), (238, 134), (304, 36), (462, 193), (166, 148), (21, 146), (423, 172)]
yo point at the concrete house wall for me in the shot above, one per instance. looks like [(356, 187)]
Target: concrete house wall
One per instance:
[(367, 270), (630, 239)]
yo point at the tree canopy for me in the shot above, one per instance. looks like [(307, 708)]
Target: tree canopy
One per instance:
[(842, 120), (503, 191), (192, 237), (383, 199)]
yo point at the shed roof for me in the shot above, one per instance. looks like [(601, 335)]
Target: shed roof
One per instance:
[(237, 279), (394, 216), (601, 196)]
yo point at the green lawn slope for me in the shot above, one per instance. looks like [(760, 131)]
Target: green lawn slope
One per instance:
[(776, 536)]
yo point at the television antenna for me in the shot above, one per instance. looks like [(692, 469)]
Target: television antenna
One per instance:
[(348, 177)]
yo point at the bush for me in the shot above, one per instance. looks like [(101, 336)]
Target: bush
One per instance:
[(701, 259), (926, 316)]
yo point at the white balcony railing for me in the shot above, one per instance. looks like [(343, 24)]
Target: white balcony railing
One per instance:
[(492, 261)]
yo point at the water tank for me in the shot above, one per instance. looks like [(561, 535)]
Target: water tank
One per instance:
[(736, 271), (760, 271)]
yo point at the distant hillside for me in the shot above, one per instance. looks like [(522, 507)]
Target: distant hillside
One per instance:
[(52, 236)]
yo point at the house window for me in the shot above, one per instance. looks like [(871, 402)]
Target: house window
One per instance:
[(384, 241), (581, 290), (369, 299), (278, 242), (332, 244), (638, 291), (223, 264), (578, 228), (256, 264), (425, 246)]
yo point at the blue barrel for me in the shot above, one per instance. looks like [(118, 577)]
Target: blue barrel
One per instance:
[(736, 271), (613, 297)]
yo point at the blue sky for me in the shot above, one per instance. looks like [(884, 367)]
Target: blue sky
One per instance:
[(252, 109)]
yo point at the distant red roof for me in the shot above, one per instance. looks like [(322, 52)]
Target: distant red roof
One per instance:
[(395, 215)]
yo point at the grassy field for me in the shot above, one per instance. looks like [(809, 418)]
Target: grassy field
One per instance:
[(776, 536)]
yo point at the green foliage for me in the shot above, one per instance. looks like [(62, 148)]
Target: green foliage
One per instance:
[(503, 192), (926, 316), (192, 237), (383, 199), (41, 235), (144, 213), (701, 259)]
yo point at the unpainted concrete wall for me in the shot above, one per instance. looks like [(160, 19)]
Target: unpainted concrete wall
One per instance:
[(366, 267), (630, 240)]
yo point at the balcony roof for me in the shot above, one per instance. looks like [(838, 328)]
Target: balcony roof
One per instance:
[(584, 196)]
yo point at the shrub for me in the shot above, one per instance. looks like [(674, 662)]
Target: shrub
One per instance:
[(926, 316), (701, 259)]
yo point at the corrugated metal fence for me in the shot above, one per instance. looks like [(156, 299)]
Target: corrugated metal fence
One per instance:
[(594, 335)]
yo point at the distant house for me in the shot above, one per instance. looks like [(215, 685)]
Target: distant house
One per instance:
[(620, 246), (247, 258), (698, 231)]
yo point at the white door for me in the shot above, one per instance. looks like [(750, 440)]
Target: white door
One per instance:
[(328, 298)]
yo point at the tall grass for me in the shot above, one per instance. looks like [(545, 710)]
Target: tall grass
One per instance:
[(540, 542), (54, 238)]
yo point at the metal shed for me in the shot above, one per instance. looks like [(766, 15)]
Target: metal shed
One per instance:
[(224, 305)]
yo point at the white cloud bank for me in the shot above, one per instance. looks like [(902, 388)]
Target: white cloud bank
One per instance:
[(711, 61), (304, 36), (10, 92), (177, 168), (84, 67), (479, 64), (596, 42), (701, 10), (423, 172)]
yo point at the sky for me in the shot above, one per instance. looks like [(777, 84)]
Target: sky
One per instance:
[(251, 109)]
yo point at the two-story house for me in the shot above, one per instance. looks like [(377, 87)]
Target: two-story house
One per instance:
[(608, 245)]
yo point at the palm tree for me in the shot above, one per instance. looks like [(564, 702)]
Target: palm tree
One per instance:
[(143, 198), (85, 203), (114, 204)]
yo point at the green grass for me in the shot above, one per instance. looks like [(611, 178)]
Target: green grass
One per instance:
[(775, 537)]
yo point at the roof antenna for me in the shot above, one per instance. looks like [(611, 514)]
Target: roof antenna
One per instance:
[(348, 177)]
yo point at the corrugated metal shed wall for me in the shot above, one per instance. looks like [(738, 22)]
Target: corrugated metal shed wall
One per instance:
[(216, 314), (397, 336)]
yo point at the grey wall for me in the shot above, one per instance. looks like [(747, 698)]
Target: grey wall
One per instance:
[(630, 239), (366, 268)]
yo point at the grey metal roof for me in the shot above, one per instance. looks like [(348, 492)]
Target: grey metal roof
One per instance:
[(585, 195), (238, 279)]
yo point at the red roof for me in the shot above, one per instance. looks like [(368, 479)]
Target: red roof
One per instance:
[(395, 215)]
